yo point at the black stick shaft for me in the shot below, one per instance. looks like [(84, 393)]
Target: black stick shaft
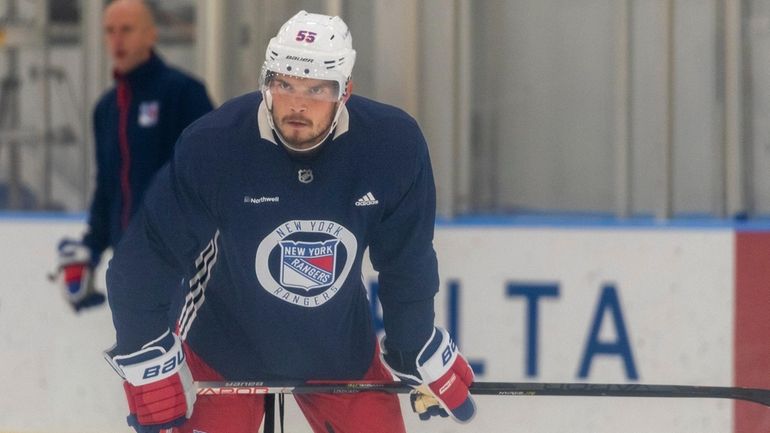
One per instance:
[(760, 396)]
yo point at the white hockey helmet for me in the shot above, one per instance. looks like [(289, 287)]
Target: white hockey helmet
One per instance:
[(311, 46)]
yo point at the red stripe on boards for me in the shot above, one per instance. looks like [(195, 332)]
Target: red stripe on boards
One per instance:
[(752, 327)]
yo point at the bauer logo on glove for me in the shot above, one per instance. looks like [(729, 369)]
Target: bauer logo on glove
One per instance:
[(158, 384), (440, 376)]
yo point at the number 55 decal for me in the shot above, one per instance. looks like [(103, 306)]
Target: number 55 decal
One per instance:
[(304, 35)]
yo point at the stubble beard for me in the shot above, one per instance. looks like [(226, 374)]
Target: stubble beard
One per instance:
[(298, 138)]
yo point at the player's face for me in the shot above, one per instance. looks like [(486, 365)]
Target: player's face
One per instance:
[(303, 109), (129, 34)]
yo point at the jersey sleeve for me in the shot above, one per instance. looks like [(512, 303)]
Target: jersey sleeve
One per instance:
[(158, 250), (402, 252)]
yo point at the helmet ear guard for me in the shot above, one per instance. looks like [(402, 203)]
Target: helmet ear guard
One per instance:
[(348, 91), (268, 98), (265, 78)]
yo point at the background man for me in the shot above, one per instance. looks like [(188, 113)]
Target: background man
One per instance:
[(136, 124)]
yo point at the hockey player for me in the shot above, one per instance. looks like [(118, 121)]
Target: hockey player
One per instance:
[(265, 212)]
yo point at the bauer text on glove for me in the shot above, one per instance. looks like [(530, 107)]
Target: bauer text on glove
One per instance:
[(158, 384), (437, 371)]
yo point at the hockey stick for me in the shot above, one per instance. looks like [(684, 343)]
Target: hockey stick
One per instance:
[(755, 395)]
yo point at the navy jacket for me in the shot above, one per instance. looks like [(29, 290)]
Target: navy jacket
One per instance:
[(270, 247), (136, 124)]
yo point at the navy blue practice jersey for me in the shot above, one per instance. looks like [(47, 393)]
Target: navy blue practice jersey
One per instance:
[(269, 246)]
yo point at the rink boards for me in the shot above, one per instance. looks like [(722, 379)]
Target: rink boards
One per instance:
[(609, 303)]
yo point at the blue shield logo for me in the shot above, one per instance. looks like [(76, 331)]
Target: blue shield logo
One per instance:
[(308, 265)]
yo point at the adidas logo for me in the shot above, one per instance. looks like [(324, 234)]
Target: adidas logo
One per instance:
[(367, 200)]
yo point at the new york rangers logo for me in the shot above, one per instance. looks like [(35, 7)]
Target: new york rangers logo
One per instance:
[(306, 262), (308, 265), (149, 112)]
